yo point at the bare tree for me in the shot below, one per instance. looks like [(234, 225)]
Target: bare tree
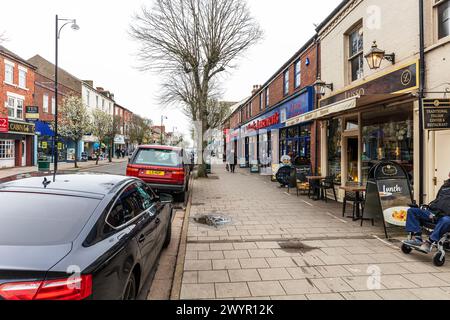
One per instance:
[(74, 121), (102, 126), (191, 42)]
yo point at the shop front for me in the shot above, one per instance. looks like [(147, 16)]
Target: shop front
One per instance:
[(272, 136), (376, 121), (16, 144)]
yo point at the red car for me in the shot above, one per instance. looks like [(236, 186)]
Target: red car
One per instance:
[(163, 168)]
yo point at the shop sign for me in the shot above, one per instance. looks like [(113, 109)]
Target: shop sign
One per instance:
[(44, 145), (401, 80), (20, 127), (4, 125), (436, 114), (300, 105), (32, 113), (265, 123)]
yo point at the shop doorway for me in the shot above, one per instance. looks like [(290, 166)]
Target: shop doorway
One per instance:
[(352, 144), (442, 162), (24, 154)]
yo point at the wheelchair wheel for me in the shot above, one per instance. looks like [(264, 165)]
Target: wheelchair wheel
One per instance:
[(406, 249), (439, 259)]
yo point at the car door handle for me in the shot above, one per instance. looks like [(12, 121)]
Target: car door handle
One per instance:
[(141, 239)]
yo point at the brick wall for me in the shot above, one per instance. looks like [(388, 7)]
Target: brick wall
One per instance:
[(27, 92)]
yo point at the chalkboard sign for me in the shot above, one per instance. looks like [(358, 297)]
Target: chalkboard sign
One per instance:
[(388, 195)]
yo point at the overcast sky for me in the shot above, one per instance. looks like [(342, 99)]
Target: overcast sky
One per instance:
[(102, 50)]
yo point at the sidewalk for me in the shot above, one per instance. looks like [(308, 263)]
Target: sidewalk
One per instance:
[(279, 246), (63, 166)]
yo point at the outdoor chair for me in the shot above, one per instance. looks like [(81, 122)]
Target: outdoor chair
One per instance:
[(302, 184), (328, 184), (357, 203)]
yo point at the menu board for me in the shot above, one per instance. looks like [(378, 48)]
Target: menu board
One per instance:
[(395, 197)]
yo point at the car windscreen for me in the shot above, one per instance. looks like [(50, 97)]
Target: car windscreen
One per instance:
[(160, 158), (30, 219)]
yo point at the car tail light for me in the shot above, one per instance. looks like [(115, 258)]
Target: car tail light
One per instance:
[(132, 172), (178, 175), (76, 288)]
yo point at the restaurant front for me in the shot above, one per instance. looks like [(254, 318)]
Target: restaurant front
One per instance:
[(376, 121)]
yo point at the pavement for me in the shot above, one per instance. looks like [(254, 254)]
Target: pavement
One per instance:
[(281, 247)]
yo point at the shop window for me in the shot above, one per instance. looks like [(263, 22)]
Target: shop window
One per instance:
[(6, 149), (296, 143), (388, 135), (22, 79), (298, 74), (443, 9), (335, 149), (9, 73), (286, 83), (356, 53), (351, 124)]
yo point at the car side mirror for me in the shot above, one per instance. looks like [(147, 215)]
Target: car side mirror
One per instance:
[(165, 198)]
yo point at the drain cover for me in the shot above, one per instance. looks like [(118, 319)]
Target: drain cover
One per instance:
[(213, 220)]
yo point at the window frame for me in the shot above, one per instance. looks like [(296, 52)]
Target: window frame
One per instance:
[(117, 198), (286, 80), (359, 26), (267, 94), (15, 108), (9, 66), (45, 102), (24, 72), (298, 74), (7, 145), (437, 5)]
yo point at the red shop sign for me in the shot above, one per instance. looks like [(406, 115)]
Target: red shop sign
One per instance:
[(4, 125), (261, 124)]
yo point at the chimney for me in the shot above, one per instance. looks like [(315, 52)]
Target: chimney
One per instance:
[(256, 88)]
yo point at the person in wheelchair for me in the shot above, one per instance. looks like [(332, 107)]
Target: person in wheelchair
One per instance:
[(438, 212)]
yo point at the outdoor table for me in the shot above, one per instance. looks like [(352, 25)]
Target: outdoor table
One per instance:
[(357, 190), (316, 178)]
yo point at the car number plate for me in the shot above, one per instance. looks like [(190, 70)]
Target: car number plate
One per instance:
[(155, 173)]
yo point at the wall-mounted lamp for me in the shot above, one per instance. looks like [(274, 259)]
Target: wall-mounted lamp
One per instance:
[(376, 56), (321, 86)]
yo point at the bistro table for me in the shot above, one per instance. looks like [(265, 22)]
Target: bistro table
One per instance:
[(317, 190), (357, 190)]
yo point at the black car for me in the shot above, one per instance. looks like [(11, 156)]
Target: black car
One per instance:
[(85, 236)]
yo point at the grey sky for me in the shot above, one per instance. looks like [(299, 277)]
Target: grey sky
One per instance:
[(102, 50)]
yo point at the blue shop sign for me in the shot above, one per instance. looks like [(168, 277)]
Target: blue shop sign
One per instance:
[(299, 105), (43, 129)]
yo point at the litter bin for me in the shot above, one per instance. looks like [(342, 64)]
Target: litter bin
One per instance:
[(43, 165), (208, 169)]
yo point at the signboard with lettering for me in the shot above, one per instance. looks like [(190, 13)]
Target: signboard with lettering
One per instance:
[(21, 128), (4, 125), (388, 195), (436, 114), (32, 113), (401, 80)]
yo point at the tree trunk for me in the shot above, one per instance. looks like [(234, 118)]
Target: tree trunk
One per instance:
[(111, 150), (76, 154), (202, 166), (98, 153)]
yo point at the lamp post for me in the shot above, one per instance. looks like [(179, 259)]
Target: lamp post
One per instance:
[(57, 36), (162, 123)]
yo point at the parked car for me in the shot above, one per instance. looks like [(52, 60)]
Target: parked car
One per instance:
[(94, 237), (164, 168)]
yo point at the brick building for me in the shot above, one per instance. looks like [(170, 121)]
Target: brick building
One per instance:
[(16, 95), (44, 100), (261, 129)]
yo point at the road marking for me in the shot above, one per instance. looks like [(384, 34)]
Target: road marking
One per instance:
[(334, 217), (309, 204), (288, 194), (386, 243)]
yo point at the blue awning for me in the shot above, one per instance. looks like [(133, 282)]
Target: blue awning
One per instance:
[(43, 129)]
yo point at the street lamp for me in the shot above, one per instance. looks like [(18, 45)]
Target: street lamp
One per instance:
[(321, 86), (58, 30), (162, 123), (376, 56)]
